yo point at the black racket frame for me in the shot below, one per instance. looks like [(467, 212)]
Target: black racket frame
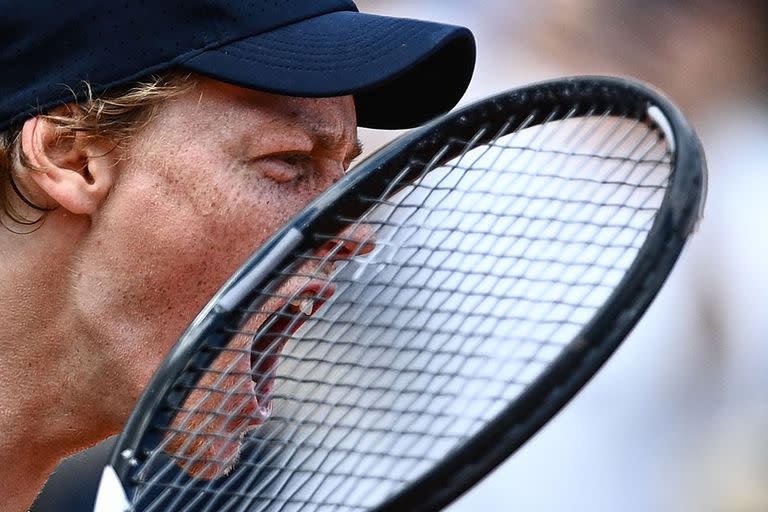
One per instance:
[(544, 398)]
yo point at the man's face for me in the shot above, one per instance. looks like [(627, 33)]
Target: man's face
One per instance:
[(214, 174)]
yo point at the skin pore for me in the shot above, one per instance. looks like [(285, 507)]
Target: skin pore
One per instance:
[(139, 240)]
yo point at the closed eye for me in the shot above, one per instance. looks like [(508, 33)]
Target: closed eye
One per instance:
[(295, 158), (286, 167)]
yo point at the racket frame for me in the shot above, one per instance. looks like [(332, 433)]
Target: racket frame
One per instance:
[(544, 398)]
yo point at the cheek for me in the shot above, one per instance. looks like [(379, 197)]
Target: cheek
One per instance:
[(166, 240)]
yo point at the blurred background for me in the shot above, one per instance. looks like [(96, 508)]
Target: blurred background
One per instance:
[(678, 418)]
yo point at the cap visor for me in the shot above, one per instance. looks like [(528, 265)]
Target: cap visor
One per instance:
[(402, 72)]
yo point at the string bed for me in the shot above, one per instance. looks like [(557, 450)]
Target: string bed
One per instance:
[(417, 325)]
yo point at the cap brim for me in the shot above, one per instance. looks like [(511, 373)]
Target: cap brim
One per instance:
[(402, 72)]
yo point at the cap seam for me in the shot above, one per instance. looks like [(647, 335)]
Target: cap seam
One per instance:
[(314, 38), (351, 40), (246, 57)]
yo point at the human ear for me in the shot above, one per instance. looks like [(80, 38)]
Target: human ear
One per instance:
[(74, 171)]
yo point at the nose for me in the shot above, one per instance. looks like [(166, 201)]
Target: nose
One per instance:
[(353, 241)]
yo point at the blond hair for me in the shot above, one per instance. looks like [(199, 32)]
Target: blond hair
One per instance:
[(115, 115)]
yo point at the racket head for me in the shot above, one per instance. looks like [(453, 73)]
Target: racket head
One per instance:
[(441, 144)]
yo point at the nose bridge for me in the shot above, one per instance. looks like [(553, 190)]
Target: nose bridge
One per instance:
[(331, 122)]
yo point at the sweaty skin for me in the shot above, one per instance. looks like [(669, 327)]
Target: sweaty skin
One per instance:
[(140, 239)]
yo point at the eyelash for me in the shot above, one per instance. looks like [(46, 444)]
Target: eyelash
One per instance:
[(349, 165), (298, 159)]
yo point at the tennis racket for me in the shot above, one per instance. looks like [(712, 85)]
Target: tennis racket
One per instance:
[(424, 317)]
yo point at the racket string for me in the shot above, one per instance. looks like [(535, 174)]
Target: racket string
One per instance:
[(488, 266)]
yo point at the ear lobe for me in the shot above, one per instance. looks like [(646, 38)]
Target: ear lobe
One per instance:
[(74, 171)]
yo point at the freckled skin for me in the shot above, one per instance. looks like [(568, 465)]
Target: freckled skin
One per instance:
[(92, 303), (194, 198)]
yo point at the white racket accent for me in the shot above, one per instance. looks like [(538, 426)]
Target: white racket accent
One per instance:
[(111, 495)]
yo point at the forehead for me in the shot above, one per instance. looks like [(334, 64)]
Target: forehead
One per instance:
[(325, 116)]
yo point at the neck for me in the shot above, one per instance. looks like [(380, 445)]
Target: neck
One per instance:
[(28, 439), (23, 475), (44, 415)]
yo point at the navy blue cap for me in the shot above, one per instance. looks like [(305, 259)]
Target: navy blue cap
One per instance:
[(402, 72)]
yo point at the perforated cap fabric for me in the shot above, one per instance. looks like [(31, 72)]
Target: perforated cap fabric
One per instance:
[(402, 72)]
